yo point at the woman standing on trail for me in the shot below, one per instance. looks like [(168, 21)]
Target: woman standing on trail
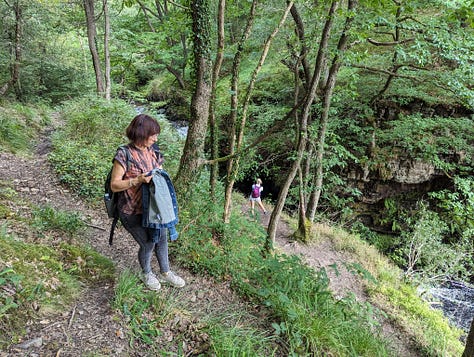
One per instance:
[(257, 189), (129, 173)]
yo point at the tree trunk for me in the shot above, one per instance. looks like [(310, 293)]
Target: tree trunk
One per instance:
[(234, 101), (302, 134), (469, 350), (192, 158), (303, 233), (234, 162), (214, 127), (15, 72), (108, 82), (92, 39), (328, 91)]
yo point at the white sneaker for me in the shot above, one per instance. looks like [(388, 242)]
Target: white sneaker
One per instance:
[(151, 281), (172, 279)]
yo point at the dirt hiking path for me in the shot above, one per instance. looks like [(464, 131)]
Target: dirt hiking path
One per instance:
[(90, 327)]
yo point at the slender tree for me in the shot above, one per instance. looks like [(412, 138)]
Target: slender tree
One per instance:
[(327, 97), (14, 81), (108, 80), (234, 102), (302, 134), (237, 142), (213, 124), (92, 40)]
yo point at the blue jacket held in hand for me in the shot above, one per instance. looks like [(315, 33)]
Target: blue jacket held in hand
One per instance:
[(160, 206)]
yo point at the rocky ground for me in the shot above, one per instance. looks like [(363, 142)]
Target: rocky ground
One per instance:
[(90, 327)]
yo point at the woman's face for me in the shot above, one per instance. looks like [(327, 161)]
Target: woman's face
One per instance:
[(151, 140)]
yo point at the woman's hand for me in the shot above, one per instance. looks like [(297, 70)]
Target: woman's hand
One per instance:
[(144, 178)]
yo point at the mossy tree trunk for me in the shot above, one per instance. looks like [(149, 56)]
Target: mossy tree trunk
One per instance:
[(16, 7), (192, 158), (469, 350)]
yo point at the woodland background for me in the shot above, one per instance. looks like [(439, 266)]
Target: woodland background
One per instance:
[(356, 114)]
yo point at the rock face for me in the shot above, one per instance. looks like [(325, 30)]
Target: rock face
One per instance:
[(396, 177), (411, 172)]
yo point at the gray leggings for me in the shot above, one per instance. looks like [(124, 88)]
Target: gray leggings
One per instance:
[(133, 224)]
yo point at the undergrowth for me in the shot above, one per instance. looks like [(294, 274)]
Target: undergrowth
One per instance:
[(39, 279), (302, 315), (39, 276), (19, 126)]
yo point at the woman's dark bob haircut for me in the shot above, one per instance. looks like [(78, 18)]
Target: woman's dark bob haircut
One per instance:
[(141, 128)]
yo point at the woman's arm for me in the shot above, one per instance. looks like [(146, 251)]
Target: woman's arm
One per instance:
[(117, 184)]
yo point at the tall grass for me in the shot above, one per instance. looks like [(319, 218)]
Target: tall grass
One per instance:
[(303, 312), (19, 125), (428, 327), (48, 218)]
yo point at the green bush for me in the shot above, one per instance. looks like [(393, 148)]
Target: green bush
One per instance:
[(424, 254), (19, 126), (84, 148)]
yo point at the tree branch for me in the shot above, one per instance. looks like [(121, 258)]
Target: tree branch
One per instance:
[(384, 71), (390, 43)]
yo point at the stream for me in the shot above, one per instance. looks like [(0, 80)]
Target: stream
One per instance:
[(456, 300)]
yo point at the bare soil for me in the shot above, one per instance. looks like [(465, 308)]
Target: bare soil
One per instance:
[(91, 327)]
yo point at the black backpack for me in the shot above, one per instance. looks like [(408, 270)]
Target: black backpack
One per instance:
[(111, 198)]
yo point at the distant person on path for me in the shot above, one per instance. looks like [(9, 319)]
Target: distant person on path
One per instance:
[(128, 176), (257, 189)]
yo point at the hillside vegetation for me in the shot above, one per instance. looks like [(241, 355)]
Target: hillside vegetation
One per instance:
[(356, 114), (300, 313)]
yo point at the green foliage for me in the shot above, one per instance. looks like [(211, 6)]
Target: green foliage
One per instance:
[(48, 218), (457, 207), (238, 339), (51, 65), (81, 167), (422, 245), (436, 140), (19, 125), (144, 311), (84, 148), (91, 120), (306, 314), (399, 299), (37, 278)]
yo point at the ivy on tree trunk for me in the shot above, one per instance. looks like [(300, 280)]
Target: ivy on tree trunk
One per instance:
[(192, 158)]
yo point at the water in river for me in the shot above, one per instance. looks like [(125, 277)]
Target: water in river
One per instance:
[(456, 300)]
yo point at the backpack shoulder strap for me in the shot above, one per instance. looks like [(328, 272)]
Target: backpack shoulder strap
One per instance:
[(128, 155), (129, 158), (112, 229)]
